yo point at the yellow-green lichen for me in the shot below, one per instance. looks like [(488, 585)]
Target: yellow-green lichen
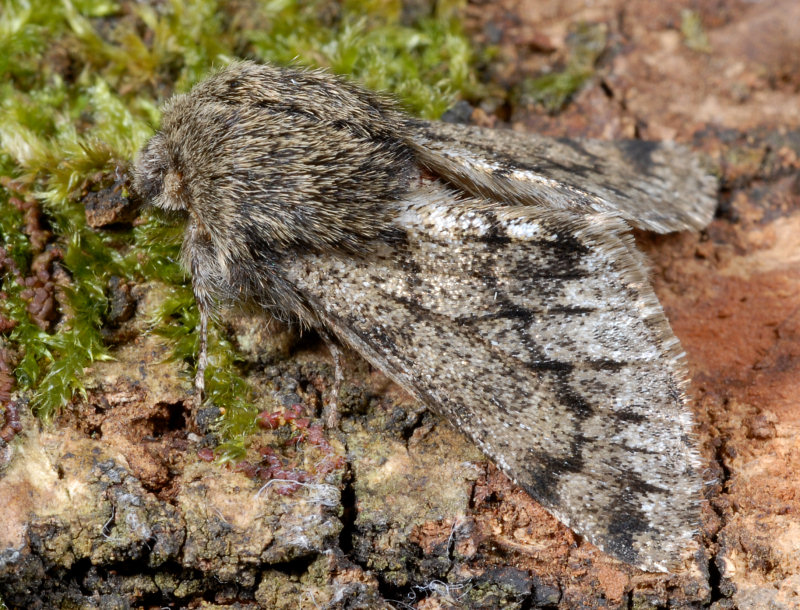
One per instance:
[(82, 81)]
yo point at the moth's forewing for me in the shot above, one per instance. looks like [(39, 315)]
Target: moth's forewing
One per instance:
[(537, 333), (656, 186)]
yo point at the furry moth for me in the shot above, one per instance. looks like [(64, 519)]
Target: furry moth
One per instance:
[(492, 275)]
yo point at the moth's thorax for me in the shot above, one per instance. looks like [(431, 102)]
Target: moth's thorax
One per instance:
[(279, 160)]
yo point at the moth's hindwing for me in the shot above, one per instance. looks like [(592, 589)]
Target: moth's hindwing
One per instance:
[(538, 334)]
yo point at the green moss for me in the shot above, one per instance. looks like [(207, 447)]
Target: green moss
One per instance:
[(693, 33), (425, 63), (585, 43), (82, 81)]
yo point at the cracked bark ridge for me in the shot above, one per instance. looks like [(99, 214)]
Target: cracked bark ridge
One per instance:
[(76, 513)]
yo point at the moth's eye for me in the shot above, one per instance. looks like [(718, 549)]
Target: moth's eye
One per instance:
[(173, 192), (150, 168)]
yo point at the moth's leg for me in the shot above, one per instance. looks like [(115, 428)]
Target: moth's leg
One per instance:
[(331, 411), (202, 357)]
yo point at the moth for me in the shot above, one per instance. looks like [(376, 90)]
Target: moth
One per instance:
[(492, 275)]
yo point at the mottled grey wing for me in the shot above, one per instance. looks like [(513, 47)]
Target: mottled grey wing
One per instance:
[(657, 186), (537, 333)]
